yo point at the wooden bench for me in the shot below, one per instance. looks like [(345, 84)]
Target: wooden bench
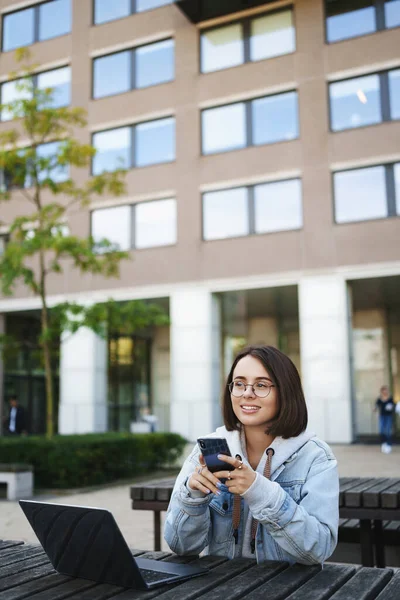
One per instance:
[(367, 503), (18, 479)]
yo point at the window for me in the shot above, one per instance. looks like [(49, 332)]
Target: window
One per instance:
[(261, 121), (112, 224), (264, 208), (137, 68), (397, 186), (139, 226), (365, 100), (36, 23), (275, 119), (58, 79), (367, 193), (355, 102), (155, 224), (106, 10), (139, 145), (392, 13), (21, 175), (394, 92), (278, 206), (353, 18), (249, 40)]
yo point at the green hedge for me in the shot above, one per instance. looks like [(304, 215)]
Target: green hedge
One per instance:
[(81, 460)]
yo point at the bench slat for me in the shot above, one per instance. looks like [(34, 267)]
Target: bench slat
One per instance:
[(366, 584), (372, 497), (353, 497), (325, 583), (390, 497), (285, 583)]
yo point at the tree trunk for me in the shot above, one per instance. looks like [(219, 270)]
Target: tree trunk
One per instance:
[(48, 372)]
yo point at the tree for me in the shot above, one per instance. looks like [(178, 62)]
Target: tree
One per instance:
[(36, 155)]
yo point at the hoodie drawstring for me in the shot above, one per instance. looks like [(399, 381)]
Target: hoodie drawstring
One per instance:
[(237, 506)]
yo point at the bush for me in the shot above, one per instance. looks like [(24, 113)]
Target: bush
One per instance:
[(80, 460)]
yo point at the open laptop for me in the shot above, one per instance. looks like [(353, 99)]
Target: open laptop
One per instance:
[(87, 543)]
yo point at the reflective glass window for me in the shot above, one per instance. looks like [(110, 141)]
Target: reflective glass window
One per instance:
[(48, 153), (10, 93), (60, 81), (392, 13), (275, 118), (155, 142), (278, 206), (109, 10), (155, 223), (349, 19), (155, 63), (224, 128), (225, 214), (54, 19), (222, 47), (18, 29), (113, 150), (111, 74), (397, 186), (360, 194), (114, 225), (394, 90), (272, 35), (355, 102), (142, 5)]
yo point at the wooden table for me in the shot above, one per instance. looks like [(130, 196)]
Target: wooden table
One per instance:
[(25, 572), (370, 500)]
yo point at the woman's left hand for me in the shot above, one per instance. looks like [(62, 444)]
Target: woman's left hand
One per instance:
[(239, 480)]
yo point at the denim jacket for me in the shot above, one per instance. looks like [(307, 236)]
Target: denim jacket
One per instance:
[(297, 509)]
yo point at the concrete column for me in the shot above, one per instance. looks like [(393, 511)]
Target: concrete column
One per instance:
[(2, 404), (83, 383), (195, 362), (325, 357)]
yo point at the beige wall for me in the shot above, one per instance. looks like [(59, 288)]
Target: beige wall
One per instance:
[(321, 243)]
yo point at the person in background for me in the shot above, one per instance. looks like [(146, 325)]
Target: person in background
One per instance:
[(15, 422), (386, 407), (281, 501)]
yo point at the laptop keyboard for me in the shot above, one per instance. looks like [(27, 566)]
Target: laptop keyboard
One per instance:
[(154, 576)]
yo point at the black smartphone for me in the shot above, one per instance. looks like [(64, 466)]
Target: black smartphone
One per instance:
[(210, 448)]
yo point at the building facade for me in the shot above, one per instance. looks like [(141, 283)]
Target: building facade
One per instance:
[(262, 142)]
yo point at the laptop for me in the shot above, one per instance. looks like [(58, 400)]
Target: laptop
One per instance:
[(87, 543)]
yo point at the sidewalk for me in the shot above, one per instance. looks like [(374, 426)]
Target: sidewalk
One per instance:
[(137, 526)]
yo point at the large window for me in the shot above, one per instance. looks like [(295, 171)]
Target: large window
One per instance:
[(365, 100), (58, 79), (261, 121), (21, 176), (352, 18), (137, 68), (264, 208), (139, 145), (139, 226), (250, 40), (109, 10), (36, 23), (367, 193)]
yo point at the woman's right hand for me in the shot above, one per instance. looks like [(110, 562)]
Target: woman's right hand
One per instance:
[(203, 480)]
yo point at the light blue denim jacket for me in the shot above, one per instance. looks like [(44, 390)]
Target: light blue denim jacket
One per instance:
[(297, 510)]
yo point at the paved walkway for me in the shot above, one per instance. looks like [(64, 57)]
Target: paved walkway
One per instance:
[(137, 526)]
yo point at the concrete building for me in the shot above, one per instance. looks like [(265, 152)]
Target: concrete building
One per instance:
[(263, 146)]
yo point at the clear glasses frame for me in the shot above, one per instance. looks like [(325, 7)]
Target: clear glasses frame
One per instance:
[(260, 393)]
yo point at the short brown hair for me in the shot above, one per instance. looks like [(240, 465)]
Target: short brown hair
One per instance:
[(291, 418)]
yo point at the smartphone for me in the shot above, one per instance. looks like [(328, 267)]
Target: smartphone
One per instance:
[(210, 448)]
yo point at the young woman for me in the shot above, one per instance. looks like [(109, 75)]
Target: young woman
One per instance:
[(281, 500)]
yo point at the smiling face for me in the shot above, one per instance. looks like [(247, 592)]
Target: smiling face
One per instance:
[(249, 409)]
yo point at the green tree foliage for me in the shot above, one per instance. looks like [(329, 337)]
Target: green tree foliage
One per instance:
[(37, 151)]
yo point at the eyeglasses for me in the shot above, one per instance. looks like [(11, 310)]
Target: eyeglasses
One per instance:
[(260, 389)]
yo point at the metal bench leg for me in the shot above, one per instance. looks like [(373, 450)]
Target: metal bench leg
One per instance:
[(157, 530), (379, 544), (367, 548)]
